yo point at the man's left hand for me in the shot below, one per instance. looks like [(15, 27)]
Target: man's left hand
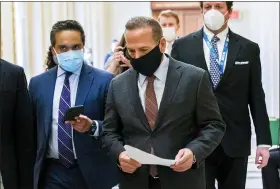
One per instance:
[(184, 160), (81, 124), (262, 156)]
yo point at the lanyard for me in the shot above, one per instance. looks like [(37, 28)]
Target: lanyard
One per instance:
[(211, 48)]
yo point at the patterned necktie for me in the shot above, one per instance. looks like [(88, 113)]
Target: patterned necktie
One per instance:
[(151, 110), (214, 62), (65, 146)]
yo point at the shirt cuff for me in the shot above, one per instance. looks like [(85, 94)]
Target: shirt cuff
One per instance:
[(264, 146), (96, 133)]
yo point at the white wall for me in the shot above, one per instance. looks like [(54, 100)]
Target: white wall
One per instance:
[(104, 21), (259, 22), (121, 12)]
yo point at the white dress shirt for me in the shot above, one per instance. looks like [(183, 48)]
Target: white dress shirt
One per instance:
[(220, 44), (169, 45), (159, 83), (73, 82)]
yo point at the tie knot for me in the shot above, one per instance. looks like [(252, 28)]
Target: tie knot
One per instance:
[(215, 39), (151, 78), (68, 74)]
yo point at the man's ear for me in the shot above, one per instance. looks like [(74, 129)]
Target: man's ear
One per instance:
[(162, 45)]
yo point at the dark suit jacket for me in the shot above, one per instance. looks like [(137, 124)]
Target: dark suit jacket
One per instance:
[(98, 170), (239, 87), (188, 118), (17, 135)]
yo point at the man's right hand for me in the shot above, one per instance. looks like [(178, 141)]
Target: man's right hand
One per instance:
[(127, 164)]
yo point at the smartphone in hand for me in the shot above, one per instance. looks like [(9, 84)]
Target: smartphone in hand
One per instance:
[(73, 112)]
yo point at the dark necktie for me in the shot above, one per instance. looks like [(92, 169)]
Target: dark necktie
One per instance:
[(65, 146), (151, 110)]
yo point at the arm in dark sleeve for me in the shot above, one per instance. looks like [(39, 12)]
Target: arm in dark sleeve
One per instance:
[(25, 141), (257, 101), (34, 116), (112, 126), (100, 122), (209, 121)]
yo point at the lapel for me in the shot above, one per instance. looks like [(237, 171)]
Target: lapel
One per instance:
[(198, 46), (133, 90), (233, 49), (172, 81), (49, 92), (85, 81), (200, 56)]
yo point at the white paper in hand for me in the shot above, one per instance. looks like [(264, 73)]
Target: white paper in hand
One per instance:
[(146, 158)]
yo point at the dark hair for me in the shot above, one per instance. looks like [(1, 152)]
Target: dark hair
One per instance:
[(122, 42), (144, 22), (62, 26), (169, 13), (229, 4)]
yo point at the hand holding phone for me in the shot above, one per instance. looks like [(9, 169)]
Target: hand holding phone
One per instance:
[(81, 123), (73, 112)]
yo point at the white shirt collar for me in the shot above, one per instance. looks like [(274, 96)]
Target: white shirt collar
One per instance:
[(222, 35), (160, 73), (60, 71)]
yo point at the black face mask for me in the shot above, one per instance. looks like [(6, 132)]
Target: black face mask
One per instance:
[(149, 63)]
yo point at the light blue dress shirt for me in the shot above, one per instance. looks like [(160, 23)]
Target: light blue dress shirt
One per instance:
[(73, 81)]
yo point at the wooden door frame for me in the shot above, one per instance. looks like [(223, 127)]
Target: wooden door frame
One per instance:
[(181, 7), (163, 5)]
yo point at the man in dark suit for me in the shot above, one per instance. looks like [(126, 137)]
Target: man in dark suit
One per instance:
[(17, 135), (67, 158), (234, 66), (164, 107), (270, 173)]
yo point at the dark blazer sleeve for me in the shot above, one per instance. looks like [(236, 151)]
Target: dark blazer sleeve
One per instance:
[(25, 136), (112, 126), (33, 106), (257, 101), (209, 121), (100, 122)]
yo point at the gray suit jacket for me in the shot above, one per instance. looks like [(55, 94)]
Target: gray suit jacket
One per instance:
[(188, 117)]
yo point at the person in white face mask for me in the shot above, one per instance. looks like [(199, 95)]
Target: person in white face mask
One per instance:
[(170, 24), (234, 67)]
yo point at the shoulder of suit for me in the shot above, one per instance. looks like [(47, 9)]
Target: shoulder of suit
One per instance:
[(123, 77), (244, 40), (188, 37), (187, 67), (9, 67), (101, 73), (41, 76)]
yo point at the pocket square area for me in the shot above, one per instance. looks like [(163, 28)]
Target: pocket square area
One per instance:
[(241, 63)]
